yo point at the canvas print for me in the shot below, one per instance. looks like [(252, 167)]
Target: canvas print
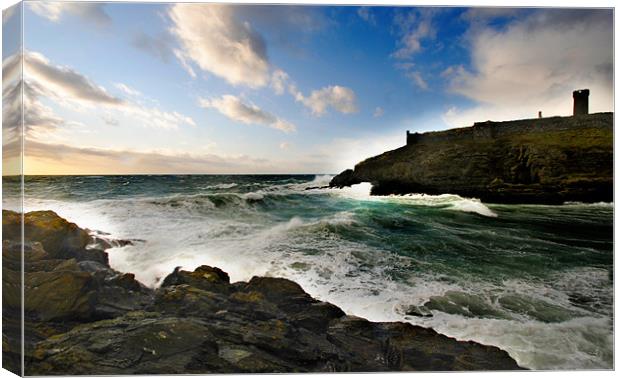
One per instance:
[(195, 188)]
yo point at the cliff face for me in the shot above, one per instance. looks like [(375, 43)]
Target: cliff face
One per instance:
[(83, 317), (548, 160)]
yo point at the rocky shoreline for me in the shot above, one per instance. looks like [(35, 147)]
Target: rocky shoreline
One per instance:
[(83, 317), (543, 160)]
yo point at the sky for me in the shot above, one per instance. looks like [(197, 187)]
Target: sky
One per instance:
[(139, 88)]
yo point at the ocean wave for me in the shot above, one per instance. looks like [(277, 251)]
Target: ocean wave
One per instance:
[(320, 180), (442, 201), (584, 204), (334, 244), (221, 186), (449, 202)]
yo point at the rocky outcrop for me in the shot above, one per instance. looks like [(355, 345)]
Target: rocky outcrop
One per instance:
[(82, 317), (548, 160)]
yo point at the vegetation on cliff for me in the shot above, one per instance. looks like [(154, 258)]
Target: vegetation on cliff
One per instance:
[(548, 160), (82, 317)]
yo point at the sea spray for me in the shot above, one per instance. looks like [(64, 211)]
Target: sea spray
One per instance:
[(532, 279)]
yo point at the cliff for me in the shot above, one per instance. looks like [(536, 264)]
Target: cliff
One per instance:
[(82, 317), (544, 160)]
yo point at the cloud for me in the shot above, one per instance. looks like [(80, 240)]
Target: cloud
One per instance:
[(9, 12), (39, 119), (64, 81), (366, 14), (378, 112), (93, 13), (417, 79), (128, 90), (52, 158), (415, 27), (483, 15), (214, 39), (183, 62), (279, 80), (415, 76), (341, 99), (285, 145), (68, 88), (534, 64), (160, 47), (235, 109)]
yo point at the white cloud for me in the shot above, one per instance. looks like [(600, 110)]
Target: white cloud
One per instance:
[(415, 76), (378, 112), (66, 159), (342, 153), (534, 64), (285, 145), (414, 28), (65, 82), (128, 90), (181, 57), (9, 12), (366, 14), (215, 40), (417, 79), (70, 89), (482, 14), (91, 12), (235, 109), (339, 98), (279, 79)]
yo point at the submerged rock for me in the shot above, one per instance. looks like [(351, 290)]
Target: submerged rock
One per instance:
[(82, 317)]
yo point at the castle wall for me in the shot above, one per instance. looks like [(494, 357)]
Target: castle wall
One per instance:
[(490, 129)]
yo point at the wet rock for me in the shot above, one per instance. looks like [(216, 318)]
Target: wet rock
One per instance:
[(82, 317), (136, 343), (203, 277), (59, 238), (59, 295), (418, 312)]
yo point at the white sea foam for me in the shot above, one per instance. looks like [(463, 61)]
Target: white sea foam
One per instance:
[(353, 275), (255, 196), (594, 204), (222, 186), (445, 201)]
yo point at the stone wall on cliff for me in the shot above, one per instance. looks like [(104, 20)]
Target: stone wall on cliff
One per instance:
[(543, 160)]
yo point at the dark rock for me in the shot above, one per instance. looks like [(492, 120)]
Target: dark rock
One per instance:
[(548, 160), (136, 343), (60, 239), (345, 178), (203, 277), (419, 312), (82, 317)]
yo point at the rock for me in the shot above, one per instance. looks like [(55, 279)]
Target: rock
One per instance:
[(136, 343), (82, 317), (203, 277), (345, 178), (548, 160), (419, 312), (59, 295)]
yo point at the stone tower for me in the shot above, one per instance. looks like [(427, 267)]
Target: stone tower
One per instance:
[(580, 101)]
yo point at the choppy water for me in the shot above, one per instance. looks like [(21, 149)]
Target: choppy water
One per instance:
[(535, 281)]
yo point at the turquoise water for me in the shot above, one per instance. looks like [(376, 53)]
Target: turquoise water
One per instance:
[(536, 281)]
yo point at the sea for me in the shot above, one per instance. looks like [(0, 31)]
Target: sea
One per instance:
[(534, 280)]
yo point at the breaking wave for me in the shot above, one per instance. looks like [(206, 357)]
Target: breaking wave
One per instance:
[(511, 276)]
